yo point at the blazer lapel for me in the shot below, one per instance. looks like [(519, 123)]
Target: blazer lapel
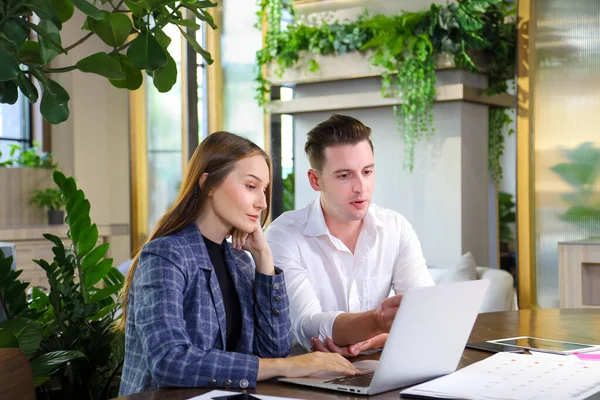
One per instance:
[(203, 261), (244, 293)]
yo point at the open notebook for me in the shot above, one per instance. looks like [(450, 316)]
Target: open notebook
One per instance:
[(515, 377)]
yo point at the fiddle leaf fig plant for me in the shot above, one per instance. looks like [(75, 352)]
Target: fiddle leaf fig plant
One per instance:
[(133, 31)]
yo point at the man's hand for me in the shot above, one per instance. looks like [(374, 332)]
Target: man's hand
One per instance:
[(386, 312), (376, 342)]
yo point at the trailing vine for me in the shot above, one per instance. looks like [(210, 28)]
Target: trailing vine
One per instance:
[(498, 119), (405, 46)]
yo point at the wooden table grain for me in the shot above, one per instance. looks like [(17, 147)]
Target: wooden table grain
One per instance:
[(576, 325)]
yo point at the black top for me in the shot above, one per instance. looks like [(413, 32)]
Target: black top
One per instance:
[(231, 301)]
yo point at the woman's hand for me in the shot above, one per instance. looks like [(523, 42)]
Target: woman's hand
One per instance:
[(256, 243), (305, 365), (313, 363)]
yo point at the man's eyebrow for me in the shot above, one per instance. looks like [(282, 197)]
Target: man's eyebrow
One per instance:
[(349, 170)]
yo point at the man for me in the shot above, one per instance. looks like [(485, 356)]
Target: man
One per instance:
[(341, 254)]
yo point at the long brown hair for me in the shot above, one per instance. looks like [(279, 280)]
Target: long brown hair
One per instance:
[(216, 155)]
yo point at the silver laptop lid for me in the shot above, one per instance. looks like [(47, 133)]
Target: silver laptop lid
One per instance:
[(429, 334)]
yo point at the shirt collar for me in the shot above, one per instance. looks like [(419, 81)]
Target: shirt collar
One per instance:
[(316, 225)]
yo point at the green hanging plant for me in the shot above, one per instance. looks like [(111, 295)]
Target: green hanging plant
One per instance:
[(498, 119), (406, 46)]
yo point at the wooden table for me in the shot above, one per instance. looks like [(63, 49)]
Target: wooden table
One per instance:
[(577, 325)]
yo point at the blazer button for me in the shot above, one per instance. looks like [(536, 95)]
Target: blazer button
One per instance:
[(228, 383), (212, 382), (277, 299), (244, 383), (276, 286), (276, 313)]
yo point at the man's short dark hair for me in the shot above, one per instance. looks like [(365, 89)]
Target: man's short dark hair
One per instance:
[(338, 130)]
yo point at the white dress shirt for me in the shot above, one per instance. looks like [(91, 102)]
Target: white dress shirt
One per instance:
[(324, 278)]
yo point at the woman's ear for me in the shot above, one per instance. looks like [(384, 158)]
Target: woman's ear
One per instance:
[(202, 181)]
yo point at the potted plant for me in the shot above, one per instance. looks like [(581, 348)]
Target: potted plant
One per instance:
[(68, 332), (52, 200)]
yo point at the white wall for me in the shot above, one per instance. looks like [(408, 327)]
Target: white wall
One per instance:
[(93, 144)]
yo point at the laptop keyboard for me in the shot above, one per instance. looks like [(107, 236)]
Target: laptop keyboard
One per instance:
[(362, 380)]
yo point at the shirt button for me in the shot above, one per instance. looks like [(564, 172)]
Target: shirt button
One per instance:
[(276, 286), (228, 383), (276, 313), (212, 382), (277, 299), (244, 383)]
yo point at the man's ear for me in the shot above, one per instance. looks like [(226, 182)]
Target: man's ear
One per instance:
[(202, 180), (314, 180)]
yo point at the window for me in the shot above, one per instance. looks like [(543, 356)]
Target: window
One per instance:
[(14, 126)]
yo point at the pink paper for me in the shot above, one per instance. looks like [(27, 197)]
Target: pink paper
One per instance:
[(588, 357)]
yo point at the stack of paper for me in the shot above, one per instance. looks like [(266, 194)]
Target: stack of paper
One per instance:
[(516, 376)]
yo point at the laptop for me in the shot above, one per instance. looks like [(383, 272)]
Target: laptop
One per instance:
[(427, 340)]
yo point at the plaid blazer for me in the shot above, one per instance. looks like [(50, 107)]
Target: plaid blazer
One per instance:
[(176, 328)]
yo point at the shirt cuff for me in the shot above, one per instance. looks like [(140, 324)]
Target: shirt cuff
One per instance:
[(320, 325)]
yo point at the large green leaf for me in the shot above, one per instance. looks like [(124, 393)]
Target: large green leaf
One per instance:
[(146, 53), (156, 3), (87, 8), (87, 240), (576, 174), (579, 214), (162, 38), (192, 40), (64, 8), (94, 256), (30, 52), (49, 362), (114, 277), (8, 92), (164, 78), (16, 30), (104, 293), (133, 77), (188, 23), (94, 274), (9, 66), (45, 10), (137, 8), (104, 311), (79, 225), (48, 49), (45, 36), (27, 87), (102, 64), (8, 339), (113, 28), (28, 333), (54, 106)]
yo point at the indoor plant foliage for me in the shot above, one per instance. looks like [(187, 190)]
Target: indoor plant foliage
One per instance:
[(32, 157), (52, 201), (133, 29), (406, 46), (498, 118), (581, 172), (78, 312)]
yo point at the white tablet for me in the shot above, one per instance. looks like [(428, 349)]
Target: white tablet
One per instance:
[(547, 345)]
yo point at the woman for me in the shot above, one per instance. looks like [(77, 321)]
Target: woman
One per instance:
[(196, 311)]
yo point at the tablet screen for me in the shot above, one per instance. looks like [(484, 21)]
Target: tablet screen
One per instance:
[(535, 343)]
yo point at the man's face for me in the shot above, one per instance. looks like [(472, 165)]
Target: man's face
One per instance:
[(346, 181)]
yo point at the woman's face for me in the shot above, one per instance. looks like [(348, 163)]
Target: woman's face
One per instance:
[(241, 198)]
